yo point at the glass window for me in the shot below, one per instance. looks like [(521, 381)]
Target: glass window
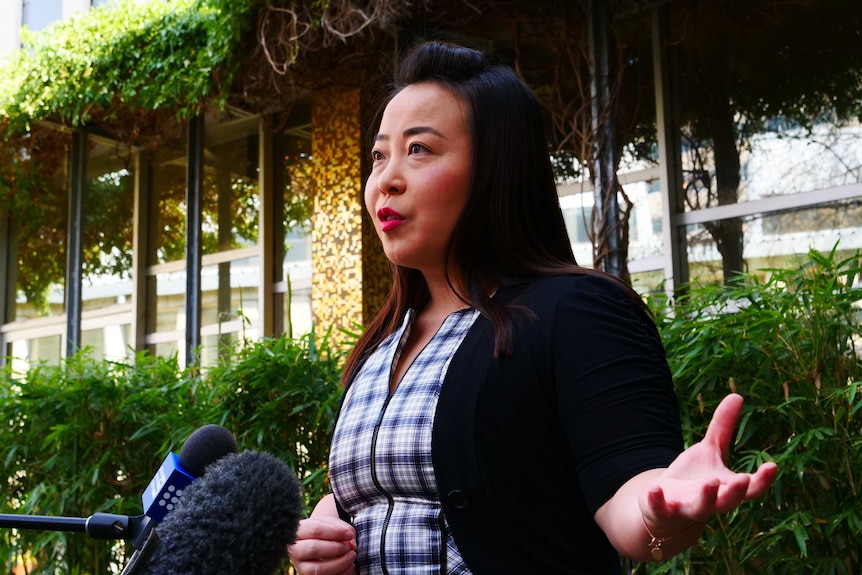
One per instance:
[(38, 14), (230, 307), (577, 213), (773, 239), (28, 352), (229, 298), (297, 303), (166, 247), (39, 230), (231, 274), (168, 203), (773, 166), (652, 281), (168, 309), (217, 346), (293, 298), (38, 240), (107, 244), (750, 137), (231, 200), (170, 349), (840, 219), (645, 229), (577, 223), (112, 342), (231, 268)]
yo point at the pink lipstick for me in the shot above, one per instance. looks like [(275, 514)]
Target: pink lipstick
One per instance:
[(389, 219)]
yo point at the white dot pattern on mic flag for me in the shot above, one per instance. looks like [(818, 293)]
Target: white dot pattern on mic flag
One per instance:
[(170, 497)]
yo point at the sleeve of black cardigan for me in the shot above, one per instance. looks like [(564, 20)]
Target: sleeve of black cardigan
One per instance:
[(614, 388)]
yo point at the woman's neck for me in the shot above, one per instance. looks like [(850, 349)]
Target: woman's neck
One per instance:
[(445, 296)]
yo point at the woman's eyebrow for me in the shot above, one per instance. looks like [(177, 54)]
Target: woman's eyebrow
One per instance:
[(422, 130), (411, 132)]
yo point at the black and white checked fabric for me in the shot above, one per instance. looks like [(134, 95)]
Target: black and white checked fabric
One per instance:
[(380, 461)]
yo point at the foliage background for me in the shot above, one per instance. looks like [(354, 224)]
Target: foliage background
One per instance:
[(86, 436), (790, 344), (131, 56)]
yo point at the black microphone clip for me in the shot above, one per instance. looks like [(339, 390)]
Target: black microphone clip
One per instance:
[(98, 526)]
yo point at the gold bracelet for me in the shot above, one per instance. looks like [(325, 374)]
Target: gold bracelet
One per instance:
[(655, 543)]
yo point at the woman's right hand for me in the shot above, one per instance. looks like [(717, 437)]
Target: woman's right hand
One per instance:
[(325, 545)]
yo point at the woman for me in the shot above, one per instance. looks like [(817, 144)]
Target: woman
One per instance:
[(507, 411)]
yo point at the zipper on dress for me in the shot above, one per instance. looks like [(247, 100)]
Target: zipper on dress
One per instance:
[(374, 479), (444, 544)]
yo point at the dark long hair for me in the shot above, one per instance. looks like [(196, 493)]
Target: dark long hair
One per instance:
[(511, 227)]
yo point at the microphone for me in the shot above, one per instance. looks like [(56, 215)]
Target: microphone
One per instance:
[(206, 445), (239, 517), (203, 447)]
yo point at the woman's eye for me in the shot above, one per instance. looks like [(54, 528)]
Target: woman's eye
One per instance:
[(416, 148), (376, 155)]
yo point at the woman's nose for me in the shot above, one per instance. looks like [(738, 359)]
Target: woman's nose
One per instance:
[(391, 180)]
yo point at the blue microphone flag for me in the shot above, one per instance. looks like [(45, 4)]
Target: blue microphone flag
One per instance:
[(164, 491)]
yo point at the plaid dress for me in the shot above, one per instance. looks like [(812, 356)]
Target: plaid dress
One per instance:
[(380, 462)]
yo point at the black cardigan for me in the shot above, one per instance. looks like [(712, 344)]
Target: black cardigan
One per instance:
[(526, 447)]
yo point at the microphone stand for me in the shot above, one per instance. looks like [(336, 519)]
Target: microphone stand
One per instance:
[(98, 526)]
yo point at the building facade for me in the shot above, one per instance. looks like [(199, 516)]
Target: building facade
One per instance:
[(244, 225)]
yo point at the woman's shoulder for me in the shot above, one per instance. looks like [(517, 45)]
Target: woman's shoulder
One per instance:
[(575, 283), (580, 298)]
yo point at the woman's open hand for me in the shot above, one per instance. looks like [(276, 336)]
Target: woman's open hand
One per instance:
[(699, 484), (674, 503)]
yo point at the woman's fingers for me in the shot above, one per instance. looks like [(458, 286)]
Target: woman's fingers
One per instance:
[(324, 546)]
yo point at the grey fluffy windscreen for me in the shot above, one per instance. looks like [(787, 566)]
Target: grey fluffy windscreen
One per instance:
[(238, 518)]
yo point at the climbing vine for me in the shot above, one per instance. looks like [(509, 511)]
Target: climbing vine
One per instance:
[(140, 55)]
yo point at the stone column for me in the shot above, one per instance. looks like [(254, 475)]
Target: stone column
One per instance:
[(336, 253)]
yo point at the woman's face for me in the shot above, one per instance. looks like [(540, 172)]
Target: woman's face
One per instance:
[(420, 175)]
